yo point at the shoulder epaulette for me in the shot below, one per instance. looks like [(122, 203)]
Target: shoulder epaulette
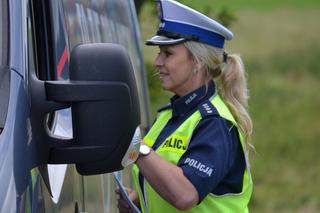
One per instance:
[(207, 109)]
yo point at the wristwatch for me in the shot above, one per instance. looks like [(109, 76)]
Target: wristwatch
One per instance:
[(144, 150)]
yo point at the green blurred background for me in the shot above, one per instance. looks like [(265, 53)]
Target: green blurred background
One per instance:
[(280, 45)]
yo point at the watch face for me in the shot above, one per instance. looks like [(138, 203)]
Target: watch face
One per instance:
[(144, 149)]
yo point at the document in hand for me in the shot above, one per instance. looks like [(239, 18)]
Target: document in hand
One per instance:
[(125, 195)]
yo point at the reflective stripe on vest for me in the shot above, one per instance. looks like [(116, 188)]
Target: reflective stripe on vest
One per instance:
[(173, 148)]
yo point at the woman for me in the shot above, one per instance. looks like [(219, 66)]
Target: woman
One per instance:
[(195, 153)]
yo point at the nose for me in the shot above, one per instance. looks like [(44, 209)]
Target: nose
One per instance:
[(158, 62)]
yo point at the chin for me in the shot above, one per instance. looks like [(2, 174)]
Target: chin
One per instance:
[(166, 87)]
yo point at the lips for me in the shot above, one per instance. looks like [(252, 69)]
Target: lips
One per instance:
[(163, 74)]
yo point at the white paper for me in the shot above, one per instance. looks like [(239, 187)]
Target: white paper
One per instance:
[(133, 151), (125, 195)]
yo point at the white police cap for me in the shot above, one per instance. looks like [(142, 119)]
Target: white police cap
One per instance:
[(179, 23)]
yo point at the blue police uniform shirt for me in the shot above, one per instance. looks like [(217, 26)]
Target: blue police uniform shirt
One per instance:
[(214, 160)]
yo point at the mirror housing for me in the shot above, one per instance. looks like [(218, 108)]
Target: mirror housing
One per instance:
[(104, 103)]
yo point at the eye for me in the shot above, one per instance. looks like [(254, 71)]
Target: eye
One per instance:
[(167, 53)]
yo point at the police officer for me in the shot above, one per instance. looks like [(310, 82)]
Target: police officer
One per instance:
[(194, 157)]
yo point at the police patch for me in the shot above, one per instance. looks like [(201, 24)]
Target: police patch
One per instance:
[(199, 166), (175, 143)]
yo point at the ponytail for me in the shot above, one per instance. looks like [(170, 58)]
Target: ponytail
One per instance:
[(235, 93), (233, 88)]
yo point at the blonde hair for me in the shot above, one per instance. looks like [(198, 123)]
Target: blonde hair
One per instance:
[(232, 78)]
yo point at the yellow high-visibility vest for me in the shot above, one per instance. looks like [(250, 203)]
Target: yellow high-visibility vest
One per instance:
[(152, 202)]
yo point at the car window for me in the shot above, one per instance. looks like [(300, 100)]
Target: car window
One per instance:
[(4, 71), (95, 22), (62, 124), (102, 21)]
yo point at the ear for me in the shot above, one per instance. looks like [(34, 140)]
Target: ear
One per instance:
[(198, 65)]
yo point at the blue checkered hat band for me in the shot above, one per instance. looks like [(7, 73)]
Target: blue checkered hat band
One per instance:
[(189, 31)]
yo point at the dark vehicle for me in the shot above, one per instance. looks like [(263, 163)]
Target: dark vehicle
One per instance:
[(73, 103)]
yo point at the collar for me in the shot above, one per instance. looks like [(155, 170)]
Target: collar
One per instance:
[(182, 105)]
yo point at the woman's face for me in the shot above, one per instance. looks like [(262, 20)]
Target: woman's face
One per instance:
[(175, 66)]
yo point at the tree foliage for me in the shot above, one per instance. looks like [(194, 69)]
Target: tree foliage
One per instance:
[(225, 15)]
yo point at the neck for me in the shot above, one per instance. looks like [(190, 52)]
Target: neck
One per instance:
[(192, 85), (188, 88)]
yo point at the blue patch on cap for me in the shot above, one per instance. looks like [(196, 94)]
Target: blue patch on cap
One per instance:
[(191, 32)]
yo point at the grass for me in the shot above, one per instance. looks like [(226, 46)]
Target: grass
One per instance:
[(279, 43), (284, 111)]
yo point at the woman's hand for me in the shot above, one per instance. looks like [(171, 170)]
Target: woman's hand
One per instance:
[(123, 205)]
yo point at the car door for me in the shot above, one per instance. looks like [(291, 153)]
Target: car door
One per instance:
[(8, 192), (107, 21), (35, 56), (59, 26), (61, 187)]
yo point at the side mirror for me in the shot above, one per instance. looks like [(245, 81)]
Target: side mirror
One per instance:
[(103, 97)]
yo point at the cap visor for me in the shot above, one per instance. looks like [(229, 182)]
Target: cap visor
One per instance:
[(162, 40)]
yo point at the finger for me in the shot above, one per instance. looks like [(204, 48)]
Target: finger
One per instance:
[(129, 190), (123, 208), (123, 203), (132, 194), (118, 193)]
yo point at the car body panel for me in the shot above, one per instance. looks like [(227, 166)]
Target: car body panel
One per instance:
[(22, 187)]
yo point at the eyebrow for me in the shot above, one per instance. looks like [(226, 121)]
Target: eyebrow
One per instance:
[(166, 47)]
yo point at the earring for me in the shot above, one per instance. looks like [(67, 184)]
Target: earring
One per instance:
[(195, 71)]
